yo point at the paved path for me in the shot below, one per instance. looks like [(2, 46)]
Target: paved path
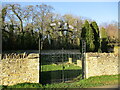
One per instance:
[(108, 86)]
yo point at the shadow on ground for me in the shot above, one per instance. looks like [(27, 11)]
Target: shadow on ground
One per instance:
[(57, 76)]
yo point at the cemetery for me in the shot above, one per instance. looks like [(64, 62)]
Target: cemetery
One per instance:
[(45, 50)]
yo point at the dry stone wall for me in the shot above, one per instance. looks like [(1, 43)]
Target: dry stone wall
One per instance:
[(25, 68), (21, 70), (101, 64)]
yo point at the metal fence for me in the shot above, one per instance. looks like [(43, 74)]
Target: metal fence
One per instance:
[(59, 65)]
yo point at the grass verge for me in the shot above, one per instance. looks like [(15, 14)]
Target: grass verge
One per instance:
[(86, 83)]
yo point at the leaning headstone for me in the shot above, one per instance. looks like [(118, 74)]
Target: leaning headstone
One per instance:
[(70, 60), (79, 63)]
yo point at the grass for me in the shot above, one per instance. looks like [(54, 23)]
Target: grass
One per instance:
[(26, 85), (55, 72), (86, 83), (53, 67)]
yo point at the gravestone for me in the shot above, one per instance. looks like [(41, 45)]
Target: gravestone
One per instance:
[(79, 63), (70, 60)]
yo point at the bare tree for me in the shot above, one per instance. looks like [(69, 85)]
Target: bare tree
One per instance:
[(16, 9)]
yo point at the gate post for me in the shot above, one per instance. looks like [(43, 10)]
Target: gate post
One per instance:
[(83, 58), (0, 44), (63, 78), (40, 57)]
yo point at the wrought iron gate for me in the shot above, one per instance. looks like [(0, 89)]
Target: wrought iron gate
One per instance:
[(61, 64)]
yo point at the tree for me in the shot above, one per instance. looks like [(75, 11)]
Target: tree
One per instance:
[(88, 35), (76, 23), (95, 29), (73, 20), (7, 35), (43, 18), (103, 33), (112, 32), (16, 9), (104, 40), (3, 15)]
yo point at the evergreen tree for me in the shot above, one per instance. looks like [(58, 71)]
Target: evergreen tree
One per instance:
[(103, 33), (104, 40), (95, 29), (88, 35)]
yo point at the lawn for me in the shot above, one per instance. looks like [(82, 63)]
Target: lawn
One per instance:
[(58, 72), (54, 67)]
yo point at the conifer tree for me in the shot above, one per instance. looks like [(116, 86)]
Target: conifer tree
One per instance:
[(104, 40), (95, 29), (88, 35)]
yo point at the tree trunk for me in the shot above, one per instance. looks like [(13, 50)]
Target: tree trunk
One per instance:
[(21, 22)]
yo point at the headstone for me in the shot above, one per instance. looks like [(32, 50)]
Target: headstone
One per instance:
[(79, 63), (70, 60)]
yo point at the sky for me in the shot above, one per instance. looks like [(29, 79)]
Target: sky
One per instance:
[(101, 12)]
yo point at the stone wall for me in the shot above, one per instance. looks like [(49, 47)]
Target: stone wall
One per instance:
[(25, 68), (19, 70), (101, 64)]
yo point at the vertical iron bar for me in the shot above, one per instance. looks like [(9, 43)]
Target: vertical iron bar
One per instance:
[(1, 44), (40, 59), (83, 58), (62, 67)]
